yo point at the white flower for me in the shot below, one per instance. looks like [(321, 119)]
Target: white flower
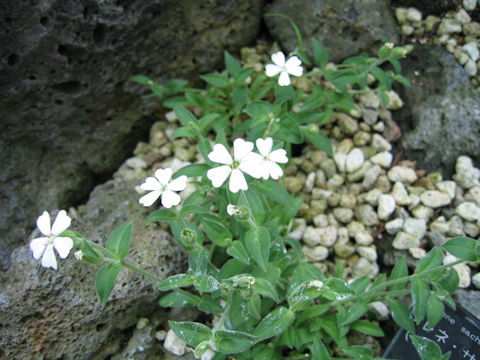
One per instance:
[(244, 160), (232, 210), (160, 185), (43, 246), (78, 255), (271, 158), (279, 66)]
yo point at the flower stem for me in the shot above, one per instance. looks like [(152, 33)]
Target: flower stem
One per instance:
[(140, 271)]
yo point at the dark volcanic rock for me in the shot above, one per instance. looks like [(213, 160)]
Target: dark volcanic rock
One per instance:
[(69, 115), (344, 27), (442, 119), (47, 314), (428, 7)]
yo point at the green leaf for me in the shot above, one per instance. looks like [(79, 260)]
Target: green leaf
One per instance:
[(206, 283), (209, 305), (258, 242), (243, 76), (401, 315), (355, 312), (449, 281), (427, 349), (174, 86), (320, 141), (432, 259), (240, 97), (162, 215), (288, 130), (232, 65), (119, 241), (463, 248), (435, 310), (255, 204), (259, 109), (192, 333), (141, 79), (89, 254), (360, 285), (400, 270), (106, 280), (175, 281), (320, 54), (158, 90), (205, 148), (231, 268), (179, 298), (192, 170), (253, 306), (198, 261), (336, 289), (313, 312), (319, 350), (420, 295), (193, 209), (238, 251), (367, 327), (274, 323), (233, 342), (265, 288), (185, 116), (275, 192), (206, 122), (216, 80), (184, 132), (217, 232), (359, 352)]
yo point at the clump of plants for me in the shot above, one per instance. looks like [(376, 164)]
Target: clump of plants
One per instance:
[(264, 300)]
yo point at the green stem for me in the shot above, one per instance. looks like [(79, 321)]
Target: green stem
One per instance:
[(140, 271), (102, 249), (250, 219)]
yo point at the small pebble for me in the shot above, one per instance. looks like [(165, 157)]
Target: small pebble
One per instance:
[(174, 344)]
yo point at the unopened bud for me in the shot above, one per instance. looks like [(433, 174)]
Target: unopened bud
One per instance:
[(78, 255), (188, 237), (313, 129)]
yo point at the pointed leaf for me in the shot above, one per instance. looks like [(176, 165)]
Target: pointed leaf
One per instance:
[(192, 170), (185, 116), (367, 327), (427, 349), (233, 342), (274, 323), (435, 310), (179, 298), (355, 312), (400, 270), (206, 283), (420, 294), (320, 54), (238, 251), (192, 333), (209, 305), (162, 215), (257, 242), (119, 241), (263, 287), (401, 315), (463, 248), (106, 280), (432, 259), (217, 232), (232, 65), (175, 281)]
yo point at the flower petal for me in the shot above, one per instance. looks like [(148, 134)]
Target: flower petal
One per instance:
[(264, 145), (61, 223), (284, 79), (63, 245), (151, 183), (220, 155), (252, 165), (237, 181), (169, 199), (293, 66), (150, 198), (43, 224), (241, 148), (272, 70), (278, 58), (232, 209), (163, 175), (218, 175), (275, 170), (38, 246), (279, 156), (178, 184), (48, 258)]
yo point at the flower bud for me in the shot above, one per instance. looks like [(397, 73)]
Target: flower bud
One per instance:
[(313, 129), (385, 50), (188, 237)]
